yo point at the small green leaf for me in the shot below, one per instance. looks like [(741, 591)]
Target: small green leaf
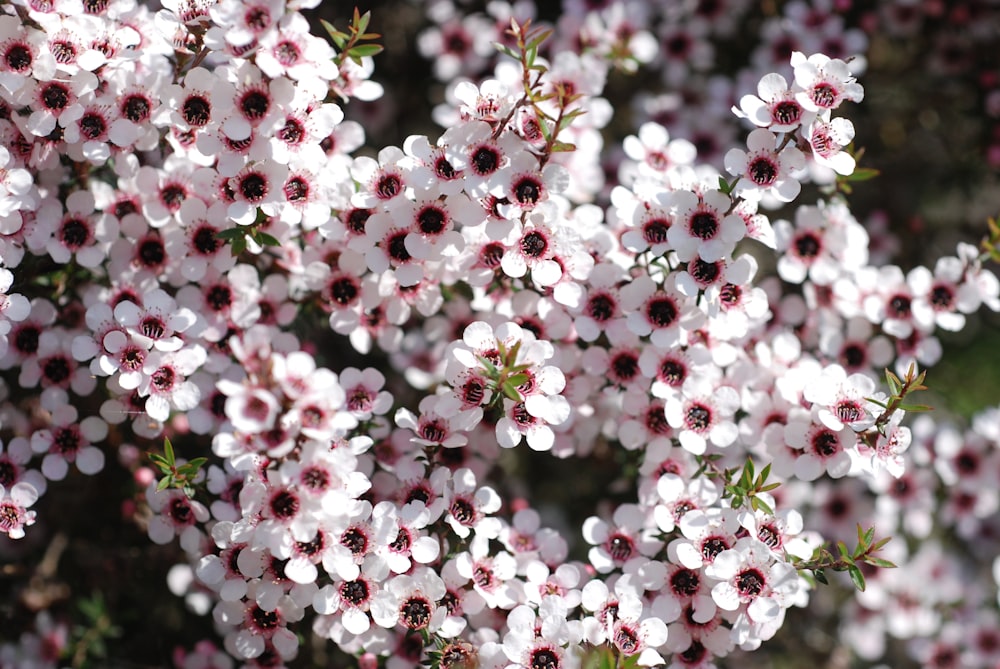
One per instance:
[(168, 450), (164, 483), (517, 379), (364, 50), (915, 408), (879, 562), (361, 24), (760, 505), (857, 577), (511, 392), (821, 576), (265, 239), (231, 234)]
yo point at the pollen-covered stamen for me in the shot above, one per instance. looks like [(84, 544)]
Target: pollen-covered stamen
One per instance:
[(396, 247), (704, 273), (750, 582), (402, 543), (543, 658), (730, 294), (527, 190), (415, 613), (205, 241), (257, 18), (624, 366), (848, 411), (131, 358), (388, 186), (344, 291), (172, 195), (180, 512), (661, 312), (626, 639), (285, 504), (253, 187), (93, 126), (655, 230), (11, 516), (672, 372), (762, 171), (360, 400), (315, 478), (66, 441), (823, 95), (825, 443), (770, 536), (287, 53), (685, 582), (18, 57), (620, 547), (135, 108), (703, 225), (534, 244), (463, 511), (521, 415), (485, 160), (698, 417), (433, 431), (431, 220), (491, 255), (151, 253), (254, 104), (444, 169), (482, 575), (219, 297), (355, 540), (786, 112), (74, 233), (656, 420), (312, 547), (197, 111), (63, 51), (473, 391), (712, 546), (355, 593), (601, 307)]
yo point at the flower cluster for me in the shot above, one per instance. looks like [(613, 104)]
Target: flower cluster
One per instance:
[(181, 206)]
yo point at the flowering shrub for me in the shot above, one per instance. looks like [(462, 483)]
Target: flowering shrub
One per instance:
[(321, 366)]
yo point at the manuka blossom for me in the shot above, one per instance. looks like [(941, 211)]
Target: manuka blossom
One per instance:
[(765, 167)]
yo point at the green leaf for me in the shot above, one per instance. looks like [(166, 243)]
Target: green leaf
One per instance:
[(895, 385), (517, 379), (164, 483), (361, 24), (821, 576), (879, 562), (339, 38), (563, 147), (857, 577), (168, 450), (231, 234), (760, 505), (511, 392), (363, 50), (842, 549), (915, 408), (265, 239)]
